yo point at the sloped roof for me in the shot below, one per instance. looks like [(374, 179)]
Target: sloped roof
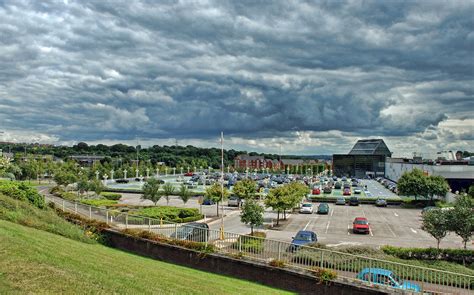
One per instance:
[(370, 147)]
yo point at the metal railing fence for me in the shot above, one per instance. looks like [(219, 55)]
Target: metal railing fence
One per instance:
[(301, 257)]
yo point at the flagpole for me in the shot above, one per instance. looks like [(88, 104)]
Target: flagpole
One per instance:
[(222, 185)]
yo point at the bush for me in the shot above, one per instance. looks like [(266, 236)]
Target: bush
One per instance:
[(277, 263), (324, 275), (111, 196), (250, 243), (98, 203), (23, 192), (173, 214), (460, 256)]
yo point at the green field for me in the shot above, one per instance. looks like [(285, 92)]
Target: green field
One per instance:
[(34, 261)]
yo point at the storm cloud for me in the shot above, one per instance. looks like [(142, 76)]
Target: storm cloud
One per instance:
[(264, 72)]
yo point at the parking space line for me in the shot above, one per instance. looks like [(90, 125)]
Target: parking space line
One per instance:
[(348, 229), (395, 213), (363, 212), (332, 212), (327, 227), (393, 233), (307, 224), (414, 231), (370, 231)]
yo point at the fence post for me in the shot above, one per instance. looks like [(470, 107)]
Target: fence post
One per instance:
[(370, 271), (279, 250), (205, 236), (240, 243), (107, 217), (321, 264), (176, 229), (90, 212), (75, 207), (161, 222), (63, 205), (126, 220), (149, 224)]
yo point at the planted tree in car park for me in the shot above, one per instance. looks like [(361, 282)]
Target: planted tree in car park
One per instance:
[(416, 183), (276, 200), (96, 186), (252, 214), (437, 186), (217, 194), (151, 190), (435, 222), (461, 218), (245, 189), (184, 193), (168, 190)]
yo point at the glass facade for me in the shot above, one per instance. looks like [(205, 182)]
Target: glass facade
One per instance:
[(358, 165)]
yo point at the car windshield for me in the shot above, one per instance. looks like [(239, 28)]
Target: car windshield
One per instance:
[(323, 205), (361, 222), (307, 205), (303, 237), (396, 279)]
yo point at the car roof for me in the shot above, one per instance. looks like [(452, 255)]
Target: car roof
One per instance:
[(360, 218), (381, 271), (305, 232)]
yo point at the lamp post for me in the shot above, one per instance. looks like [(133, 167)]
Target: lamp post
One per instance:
[(166, 171), (247, 172), (147, 172), (174, 171), (125, 173), (97, 175), (228, 169), (105, 178), (136, 173), (188, 169), (181, 170), (112, 174)]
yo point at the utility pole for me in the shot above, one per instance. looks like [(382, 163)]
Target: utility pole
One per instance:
[(222, 185)]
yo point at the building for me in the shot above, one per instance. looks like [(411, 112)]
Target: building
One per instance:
[(367, 157), (250, 162), (87, 160), (242, 162), (458, 173)]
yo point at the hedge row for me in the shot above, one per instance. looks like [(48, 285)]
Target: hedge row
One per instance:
[(173, 214), (98, 203), (23, 192), (251, 243), (460, 256)]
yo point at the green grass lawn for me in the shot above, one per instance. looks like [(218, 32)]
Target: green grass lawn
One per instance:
[(35, 261)]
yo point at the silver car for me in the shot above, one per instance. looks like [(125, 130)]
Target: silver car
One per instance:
[(234, 201), (306, 208)]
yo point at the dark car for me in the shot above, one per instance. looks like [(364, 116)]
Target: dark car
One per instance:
[(327, 190), (121, 181), (347, 185), (354, 201), (208, 202), (194, 231), (303, 237), (337, 185), (323, 208)]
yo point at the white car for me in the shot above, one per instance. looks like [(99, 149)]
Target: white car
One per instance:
[(306, 208)]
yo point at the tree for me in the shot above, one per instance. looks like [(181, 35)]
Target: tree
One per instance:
[(413, 183), (151, 190), (245, 189), (252, 214), (168, 190), (437, 186), (184, 193), (83, 185), (461, 218), (435, 222), (276, 200), (216, 193), (96, 186), (64, 178)]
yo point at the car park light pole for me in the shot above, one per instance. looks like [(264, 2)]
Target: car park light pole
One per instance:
[(222, 186)]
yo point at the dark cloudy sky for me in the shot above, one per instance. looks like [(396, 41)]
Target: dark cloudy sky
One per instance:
[(311, 77)]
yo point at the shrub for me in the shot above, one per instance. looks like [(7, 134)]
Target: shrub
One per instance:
[(250, 243), (277, 263), (460, 256), (324, 275), (23, 192), (98, 203), (111, 196)]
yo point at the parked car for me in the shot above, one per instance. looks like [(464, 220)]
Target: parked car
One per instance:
[(344, 178), (337, 185), (380, 202), (316, 191), (234, 201), (323, 208), (194, 231), (354, 201), (327, 190), (380, 276), (355, 184), (427, 209), (357, 191), (340, 201), (188, 174), (208, 202), (360, 225), (347, 192), (306, 208), (303, 237), (347, 185)]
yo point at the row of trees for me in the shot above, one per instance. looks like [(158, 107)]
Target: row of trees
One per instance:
[(154, 191), (416, 183), (459, 219)]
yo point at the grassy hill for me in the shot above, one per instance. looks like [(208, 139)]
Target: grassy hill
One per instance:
[(41, 253)]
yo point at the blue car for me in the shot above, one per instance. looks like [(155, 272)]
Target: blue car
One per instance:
[(303, 237), (380, 276)]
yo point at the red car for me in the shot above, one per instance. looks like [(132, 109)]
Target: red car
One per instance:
[(189, 174), (347, 192), (361, 225), (316, 191)]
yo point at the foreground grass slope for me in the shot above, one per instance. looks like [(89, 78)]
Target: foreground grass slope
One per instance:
[(34, 261)]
